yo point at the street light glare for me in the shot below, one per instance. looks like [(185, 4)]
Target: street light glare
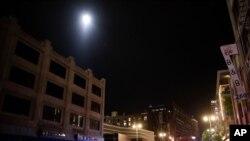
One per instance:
[(213, 118), (205, 118), (137, 126)]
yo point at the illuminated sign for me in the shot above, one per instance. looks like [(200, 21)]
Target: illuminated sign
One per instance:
[(46, 133)]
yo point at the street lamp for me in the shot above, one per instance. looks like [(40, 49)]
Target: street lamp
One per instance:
[(162, 135), (209, 119), (136, 127)]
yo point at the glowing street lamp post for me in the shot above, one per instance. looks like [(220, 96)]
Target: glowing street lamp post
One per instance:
[(136, 127), (162, 135), (209, 119)]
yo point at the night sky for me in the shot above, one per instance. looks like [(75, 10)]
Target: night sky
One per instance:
[(149, 52)]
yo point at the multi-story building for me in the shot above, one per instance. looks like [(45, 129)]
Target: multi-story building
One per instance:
[(44, 96), (126, 120), (240, 19), (173, 121), (223, 107)]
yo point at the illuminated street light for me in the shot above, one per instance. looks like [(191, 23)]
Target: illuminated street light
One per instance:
[(162, 135), (209, 119), (211, 130), (136, 127), (171, 138)]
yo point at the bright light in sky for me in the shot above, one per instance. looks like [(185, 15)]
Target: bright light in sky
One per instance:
[(86, 28), (86, 19)]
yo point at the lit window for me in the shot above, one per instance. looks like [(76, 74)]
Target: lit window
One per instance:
[(52, 114), (76, 120), (124, 123)]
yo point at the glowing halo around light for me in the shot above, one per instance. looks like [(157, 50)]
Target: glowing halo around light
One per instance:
[(86, 19)]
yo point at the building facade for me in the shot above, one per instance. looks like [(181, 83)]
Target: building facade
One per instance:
[(173, 122), (44, 96), (223, 107), (240, 20), (126, 120)]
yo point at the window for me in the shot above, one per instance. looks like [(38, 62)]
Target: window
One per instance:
[(76, 120), (52, 114), (95, 107), (96, 90), (54, 90), (94, 124), (16, 105), (79, 81), (27, 53), (22, 77), (77, 99), (57, 69)]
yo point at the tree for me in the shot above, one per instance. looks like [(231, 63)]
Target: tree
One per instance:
[(211, 136)]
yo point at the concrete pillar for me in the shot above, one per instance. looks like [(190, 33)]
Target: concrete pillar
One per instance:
[(41, 82), (68, 93)]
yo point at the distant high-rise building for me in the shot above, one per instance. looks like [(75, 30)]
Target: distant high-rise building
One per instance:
[(44, 96)]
